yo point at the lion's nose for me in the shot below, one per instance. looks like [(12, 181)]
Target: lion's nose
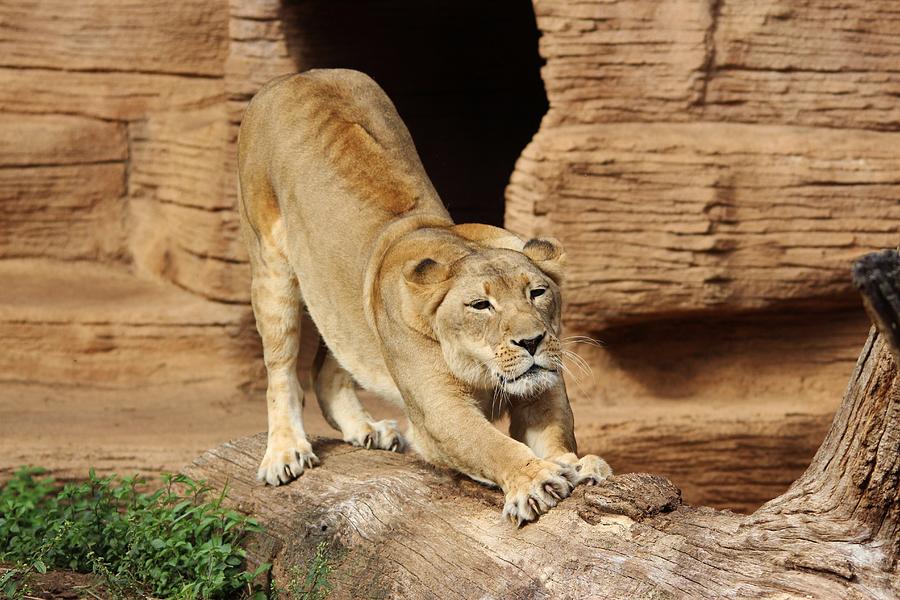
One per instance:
[(530, 344)]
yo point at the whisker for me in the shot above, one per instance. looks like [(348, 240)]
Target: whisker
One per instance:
[(575, 356), (566, 370), (583, 339), (579, 362), (496, 399), (574, 378)]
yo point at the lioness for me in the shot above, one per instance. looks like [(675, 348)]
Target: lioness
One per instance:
[(455, 323)]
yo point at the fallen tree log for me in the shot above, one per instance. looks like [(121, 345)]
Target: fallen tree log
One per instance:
[(396, 527)]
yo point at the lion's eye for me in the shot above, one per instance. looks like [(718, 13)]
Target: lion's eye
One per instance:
[(536, 292), (480, 305)]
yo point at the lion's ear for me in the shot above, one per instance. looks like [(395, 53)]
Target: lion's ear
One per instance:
[(548, 254), (425, 272), (427, 282)]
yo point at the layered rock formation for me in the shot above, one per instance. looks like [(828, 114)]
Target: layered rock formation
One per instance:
[(113, 153), (677, 189)]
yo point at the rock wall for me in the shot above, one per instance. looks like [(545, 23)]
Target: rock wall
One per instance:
[(699, 157), (112, 121), (79, 82)]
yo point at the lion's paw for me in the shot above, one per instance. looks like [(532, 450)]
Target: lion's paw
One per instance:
[(285, 460), (378, 434), (534, 495), (590, 469)]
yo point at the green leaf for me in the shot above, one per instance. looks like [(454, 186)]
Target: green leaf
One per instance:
[(260, 570), (168, 541)]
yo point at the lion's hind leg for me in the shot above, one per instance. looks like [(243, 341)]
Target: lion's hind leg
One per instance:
[(336, 392), (275, 296)]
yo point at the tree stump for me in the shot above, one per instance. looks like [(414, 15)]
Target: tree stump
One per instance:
[(397, 527)]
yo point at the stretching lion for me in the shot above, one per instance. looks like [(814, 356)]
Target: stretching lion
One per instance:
[(455, 323)]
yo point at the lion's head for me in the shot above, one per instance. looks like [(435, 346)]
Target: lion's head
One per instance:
[(494, 307)]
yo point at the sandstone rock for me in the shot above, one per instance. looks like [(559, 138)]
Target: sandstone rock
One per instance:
[(113, 139), (84, 324), (665, 220), (796, 63), (115, 35), (109, 95), (832, 64), (731, 410), (38, 140), (61, 180), (189, 231), (704, 162), (257, 50), (63, 212), (638, 60)]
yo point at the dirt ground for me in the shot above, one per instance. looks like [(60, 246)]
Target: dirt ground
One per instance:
[(147, 431), (64, 585)]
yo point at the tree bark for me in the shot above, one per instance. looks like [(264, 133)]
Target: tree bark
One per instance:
[(396, 527)]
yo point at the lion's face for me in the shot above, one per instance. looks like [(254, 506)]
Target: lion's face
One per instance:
[(498, 324)]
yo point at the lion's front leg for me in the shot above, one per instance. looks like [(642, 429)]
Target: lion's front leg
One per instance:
[(546, 425), (453, 433)]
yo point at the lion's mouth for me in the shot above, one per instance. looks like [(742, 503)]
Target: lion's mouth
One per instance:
[(532, 370)]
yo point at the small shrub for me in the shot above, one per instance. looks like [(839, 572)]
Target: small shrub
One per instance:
[(170, 543), (312, 585)]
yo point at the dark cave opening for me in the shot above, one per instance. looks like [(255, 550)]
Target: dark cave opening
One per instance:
[(464, 75)]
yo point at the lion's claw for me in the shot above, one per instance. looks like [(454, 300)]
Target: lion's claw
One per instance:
[(378, 434), (534, 496), (549, 489), (590, 469), (285, 460)]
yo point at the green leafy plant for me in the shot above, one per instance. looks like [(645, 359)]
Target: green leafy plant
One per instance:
[(15, 582), (170, 543), (311, 585)]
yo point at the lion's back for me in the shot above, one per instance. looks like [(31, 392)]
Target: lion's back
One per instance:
[(343, 123)]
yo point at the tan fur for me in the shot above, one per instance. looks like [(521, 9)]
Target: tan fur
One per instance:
[(456, 323)]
